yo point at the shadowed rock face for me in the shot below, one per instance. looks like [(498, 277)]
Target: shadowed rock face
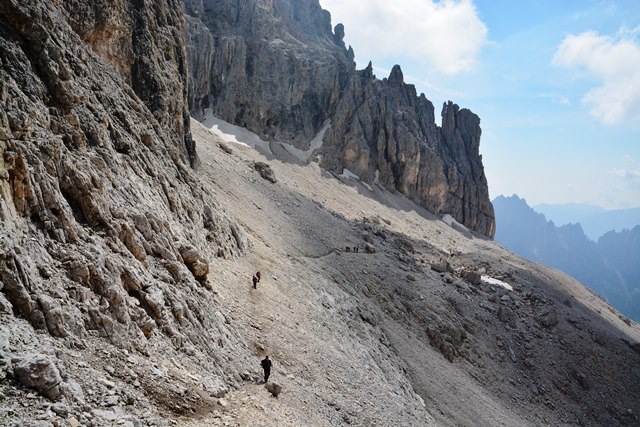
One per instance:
[(104, 228), (278, 69), (275, 67), (143, 41)]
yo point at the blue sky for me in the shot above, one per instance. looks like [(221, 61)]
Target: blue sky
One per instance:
[(556, 84)]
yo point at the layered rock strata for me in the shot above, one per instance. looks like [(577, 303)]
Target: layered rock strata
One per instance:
[(273, 67), (387, 135), (105, 231), (278, 69)]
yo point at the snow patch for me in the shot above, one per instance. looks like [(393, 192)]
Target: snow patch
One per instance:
[(239, 135), (451, 222), (233, 133), (346, 173), (314, 144), (490, 280)]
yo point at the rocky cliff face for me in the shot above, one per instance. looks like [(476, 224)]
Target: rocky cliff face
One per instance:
[(275, 67), (105, 231), (386, 134), (279, 70), (125, 294)]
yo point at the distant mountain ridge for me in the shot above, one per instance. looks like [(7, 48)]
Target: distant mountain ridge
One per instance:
[(595, 220), (609, 266)]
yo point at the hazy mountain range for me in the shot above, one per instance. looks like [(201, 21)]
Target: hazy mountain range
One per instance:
[(595, 220), (609, 266)]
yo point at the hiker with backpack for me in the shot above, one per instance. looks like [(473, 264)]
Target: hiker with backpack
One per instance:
[(266, 367)]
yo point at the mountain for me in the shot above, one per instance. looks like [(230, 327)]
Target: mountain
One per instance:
[(595, 221), (380, 130), (130, 234), (609, 266)]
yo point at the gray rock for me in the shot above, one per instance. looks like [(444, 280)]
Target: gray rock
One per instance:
[(473, 277), (39, 372), (110, 400), (274, 388), (72, 391), (442, 266), (507, 315), (265, 171), (549, 317), (216, 388), (60, 409), (461, 285)]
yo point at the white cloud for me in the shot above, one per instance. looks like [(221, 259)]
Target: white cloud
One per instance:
[(444, 36), (615, 62), (624, 188), (626, 173), (631, 169)]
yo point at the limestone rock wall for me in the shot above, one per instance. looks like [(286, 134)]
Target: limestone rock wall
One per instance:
[(104, 229), (386, 134), (143, 41), (278, 69), (276, 66)]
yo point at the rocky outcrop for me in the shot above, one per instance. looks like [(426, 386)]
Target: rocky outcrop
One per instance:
[(143, 41), (276, 67), (105, 230), (279, 70), (386, 134), (40, 373)]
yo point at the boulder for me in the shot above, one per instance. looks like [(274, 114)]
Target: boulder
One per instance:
[(442, 266), (507, 315), (473, 277), (40, 373), (549, 317), (265, 171), (274, 388)]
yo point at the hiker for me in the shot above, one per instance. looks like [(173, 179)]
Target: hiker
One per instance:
[(258, 275), (255, 281), (266, 366)]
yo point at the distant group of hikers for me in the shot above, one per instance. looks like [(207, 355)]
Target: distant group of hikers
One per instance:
[(354, 249)]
